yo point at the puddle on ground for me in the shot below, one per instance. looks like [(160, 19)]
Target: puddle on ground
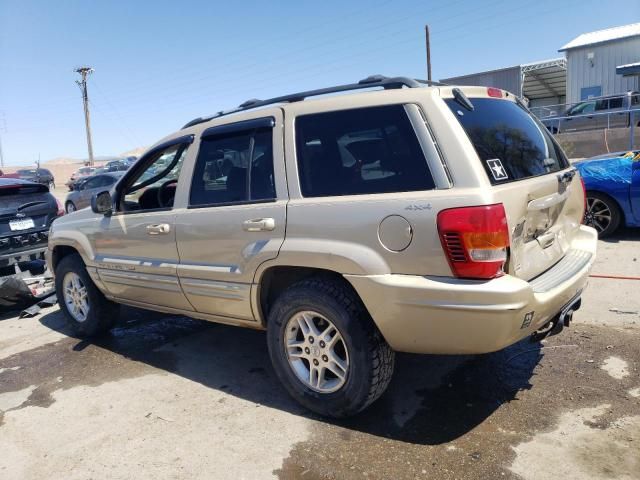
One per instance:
[(71, 362), (467, 423)]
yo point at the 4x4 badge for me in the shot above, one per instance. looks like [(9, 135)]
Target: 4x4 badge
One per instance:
[(497, 170)]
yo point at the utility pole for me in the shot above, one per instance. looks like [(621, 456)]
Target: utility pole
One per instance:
[(84, 72), (428, 44), (1, 155)]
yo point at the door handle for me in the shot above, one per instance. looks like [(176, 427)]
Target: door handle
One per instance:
[(158, 229), (259, 225)]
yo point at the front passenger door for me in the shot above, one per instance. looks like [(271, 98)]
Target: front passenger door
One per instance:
[(136, 253)]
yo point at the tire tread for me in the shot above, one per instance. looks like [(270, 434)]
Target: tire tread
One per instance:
[(383, 357)]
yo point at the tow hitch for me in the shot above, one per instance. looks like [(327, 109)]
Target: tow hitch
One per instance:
[(560, 321)]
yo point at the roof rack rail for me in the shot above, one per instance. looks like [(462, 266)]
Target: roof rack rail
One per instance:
[(369, 82)]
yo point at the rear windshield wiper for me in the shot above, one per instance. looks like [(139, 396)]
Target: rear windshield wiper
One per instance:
[(462, 99)]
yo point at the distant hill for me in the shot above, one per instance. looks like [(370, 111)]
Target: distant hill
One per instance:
[(134, 152)]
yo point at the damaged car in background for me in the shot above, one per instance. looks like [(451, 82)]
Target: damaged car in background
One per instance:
[(27, 210), (612, 183)]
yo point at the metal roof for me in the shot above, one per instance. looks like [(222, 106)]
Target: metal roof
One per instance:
[(544, 79), (629, 69), (602, 36)]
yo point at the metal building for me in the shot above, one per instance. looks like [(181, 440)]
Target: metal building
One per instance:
[(592, 60), (542, 83)]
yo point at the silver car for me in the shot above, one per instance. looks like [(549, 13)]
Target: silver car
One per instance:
[(81, 196)]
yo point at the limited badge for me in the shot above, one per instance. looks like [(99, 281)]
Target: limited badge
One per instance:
[(528, 317), (497, 170)]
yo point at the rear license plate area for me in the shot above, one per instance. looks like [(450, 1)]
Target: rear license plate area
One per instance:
[(21, 224)]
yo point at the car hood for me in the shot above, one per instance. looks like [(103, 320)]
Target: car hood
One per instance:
[(77, 216)]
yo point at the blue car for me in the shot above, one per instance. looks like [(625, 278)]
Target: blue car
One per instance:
[(612, 183)]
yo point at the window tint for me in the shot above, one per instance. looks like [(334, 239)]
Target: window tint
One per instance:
[(94, 182), (602, 105), (582, 108), (361, 151), (615, 102), (236, 167), (509, 142)]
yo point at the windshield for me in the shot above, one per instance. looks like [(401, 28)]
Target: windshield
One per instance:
[(510, 143)]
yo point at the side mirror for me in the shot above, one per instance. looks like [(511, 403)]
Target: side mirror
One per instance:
[(101, 203)]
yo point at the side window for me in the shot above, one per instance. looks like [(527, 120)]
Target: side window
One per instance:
[(234, 167), (360, 151), (155, 184), (93, 183), (602, 105), (582, 108), (107, 181), (615, 102)]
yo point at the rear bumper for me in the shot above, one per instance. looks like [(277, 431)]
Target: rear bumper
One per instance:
[(451, 316), (36, 253)]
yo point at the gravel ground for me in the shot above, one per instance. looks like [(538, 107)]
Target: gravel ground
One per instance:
[(170, 397)]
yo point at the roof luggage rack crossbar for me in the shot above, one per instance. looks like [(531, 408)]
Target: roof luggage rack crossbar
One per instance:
[(369, 82)]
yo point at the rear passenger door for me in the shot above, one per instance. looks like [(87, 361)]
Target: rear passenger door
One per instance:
[(235, 215), (366, 190)]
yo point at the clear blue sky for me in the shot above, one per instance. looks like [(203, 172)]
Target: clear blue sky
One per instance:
[(159, 64)]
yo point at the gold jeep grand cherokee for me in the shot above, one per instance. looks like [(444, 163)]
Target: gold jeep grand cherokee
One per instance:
[(410, 218)]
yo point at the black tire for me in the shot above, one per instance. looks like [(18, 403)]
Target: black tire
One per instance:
[(612, 205), (371, 360), (102, 312), (70, 207)]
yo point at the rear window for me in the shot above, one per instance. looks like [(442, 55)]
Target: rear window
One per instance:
[(360, 151), (509, 142), (18, 189)]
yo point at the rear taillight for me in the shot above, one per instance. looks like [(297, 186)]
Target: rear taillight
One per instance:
[(60, 208), (584, 199), (475, 240)]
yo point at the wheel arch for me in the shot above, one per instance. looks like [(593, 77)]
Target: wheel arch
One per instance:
[(276, 279), (58, 252)]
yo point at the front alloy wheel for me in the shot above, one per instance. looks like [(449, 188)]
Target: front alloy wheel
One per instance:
[(75, 296), (86, 310), (316, 351)]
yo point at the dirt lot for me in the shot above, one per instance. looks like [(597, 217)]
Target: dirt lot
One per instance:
[(169, 397)]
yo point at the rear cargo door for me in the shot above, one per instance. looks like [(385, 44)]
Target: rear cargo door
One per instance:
[(530, 175)]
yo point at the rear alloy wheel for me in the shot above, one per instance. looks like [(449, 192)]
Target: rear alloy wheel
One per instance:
[(325, 348), (316, 351), (70, 207), (602, 214)]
